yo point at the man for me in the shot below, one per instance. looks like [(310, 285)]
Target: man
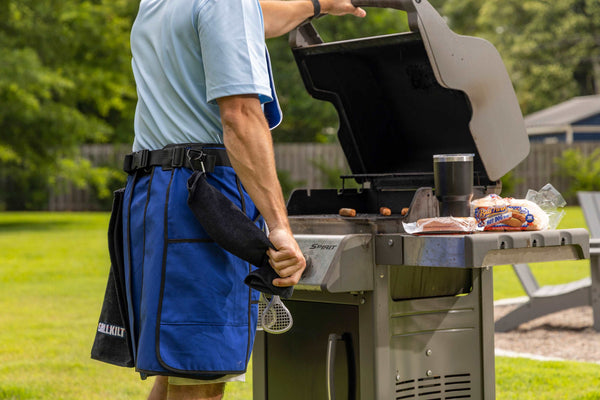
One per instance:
[(203, 77)]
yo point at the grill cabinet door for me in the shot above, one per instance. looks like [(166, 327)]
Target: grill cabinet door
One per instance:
[(297, 360)]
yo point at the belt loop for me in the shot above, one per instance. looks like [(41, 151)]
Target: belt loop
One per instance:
[(177, 157)]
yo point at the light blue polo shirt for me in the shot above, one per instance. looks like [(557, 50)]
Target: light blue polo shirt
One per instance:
[(187, 54)]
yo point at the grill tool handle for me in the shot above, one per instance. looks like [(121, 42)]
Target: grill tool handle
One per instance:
[(330, 367)]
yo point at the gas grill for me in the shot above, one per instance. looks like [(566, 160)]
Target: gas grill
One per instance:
[(381, 314)]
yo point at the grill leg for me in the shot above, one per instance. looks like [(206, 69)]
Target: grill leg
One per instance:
[(259, 368), (595, 289), (483, 279)]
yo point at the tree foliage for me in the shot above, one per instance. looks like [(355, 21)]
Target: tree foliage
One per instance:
[(65, 80), (551, 48)]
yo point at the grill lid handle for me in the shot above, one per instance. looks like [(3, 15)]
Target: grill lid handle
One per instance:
[(397, 4), (403, 5)]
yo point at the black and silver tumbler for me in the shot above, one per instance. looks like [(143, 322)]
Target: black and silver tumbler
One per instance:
[(453, 180)]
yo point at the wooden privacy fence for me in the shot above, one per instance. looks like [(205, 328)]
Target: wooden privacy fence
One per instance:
[(67, 197), (540, 168), (305, 165)]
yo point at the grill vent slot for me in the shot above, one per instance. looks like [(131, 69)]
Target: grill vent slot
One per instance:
[(447, 387)]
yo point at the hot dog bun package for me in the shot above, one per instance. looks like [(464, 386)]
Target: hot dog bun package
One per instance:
[(537, 212), (495, 213)]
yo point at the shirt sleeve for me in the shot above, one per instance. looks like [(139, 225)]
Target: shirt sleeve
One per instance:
[(233, 49)]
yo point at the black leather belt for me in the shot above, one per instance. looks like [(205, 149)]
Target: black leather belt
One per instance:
[(198, 157)]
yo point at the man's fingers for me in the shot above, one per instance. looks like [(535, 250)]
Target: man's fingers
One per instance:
[(341, 7), (288, 266), (281, 254), (280, 265), (288, 271), (359, 12), (289, 281)]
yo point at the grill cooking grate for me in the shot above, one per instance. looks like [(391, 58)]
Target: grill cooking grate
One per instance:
[(448, 387)]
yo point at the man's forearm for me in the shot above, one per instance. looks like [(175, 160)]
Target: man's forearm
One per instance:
[(280, 17), (249, 145)]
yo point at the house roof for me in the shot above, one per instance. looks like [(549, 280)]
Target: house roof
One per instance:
[(565, 113)]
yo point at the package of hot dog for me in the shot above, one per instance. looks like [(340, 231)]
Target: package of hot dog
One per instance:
[(494, 213), (442, 225)]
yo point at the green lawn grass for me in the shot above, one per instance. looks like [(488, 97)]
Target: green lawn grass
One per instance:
[(522, 379), (53, 270)]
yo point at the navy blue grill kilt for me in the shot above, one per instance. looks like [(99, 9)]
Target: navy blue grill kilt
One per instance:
[(191, 314)]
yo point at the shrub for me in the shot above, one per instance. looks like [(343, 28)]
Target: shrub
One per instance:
[(332, 175), (287, 183), (583, 172), (509, 184)]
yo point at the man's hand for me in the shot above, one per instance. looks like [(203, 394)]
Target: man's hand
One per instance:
[(287, 260), (280, 17), (341, 7)]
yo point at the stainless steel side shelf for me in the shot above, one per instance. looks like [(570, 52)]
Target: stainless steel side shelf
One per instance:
[(488, 249)]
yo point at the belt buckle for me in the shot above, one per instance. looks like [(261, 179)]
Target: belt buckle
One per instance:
[(140, 159)]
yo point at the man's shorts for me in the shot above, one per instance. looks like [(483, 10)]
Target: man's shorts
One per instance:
[(191, 314)]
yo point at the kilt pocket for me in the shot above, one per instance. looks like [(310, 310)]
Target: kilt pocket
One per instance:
[(205, 308)]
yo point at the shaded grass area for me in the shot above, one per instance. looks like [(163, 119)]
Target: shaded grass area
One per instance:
[(53, 270)]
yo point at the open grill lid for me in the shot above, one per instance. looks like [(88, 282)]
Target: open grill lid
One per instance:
[(403, 98)]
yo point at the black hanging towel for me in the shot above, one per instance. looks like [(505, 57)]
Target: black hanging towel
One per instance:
[(229, 227), (112, 343)]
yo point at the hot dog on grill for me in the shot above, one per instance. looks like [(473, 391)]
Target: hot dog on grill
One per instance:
[(385, 211), (347, 212)]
